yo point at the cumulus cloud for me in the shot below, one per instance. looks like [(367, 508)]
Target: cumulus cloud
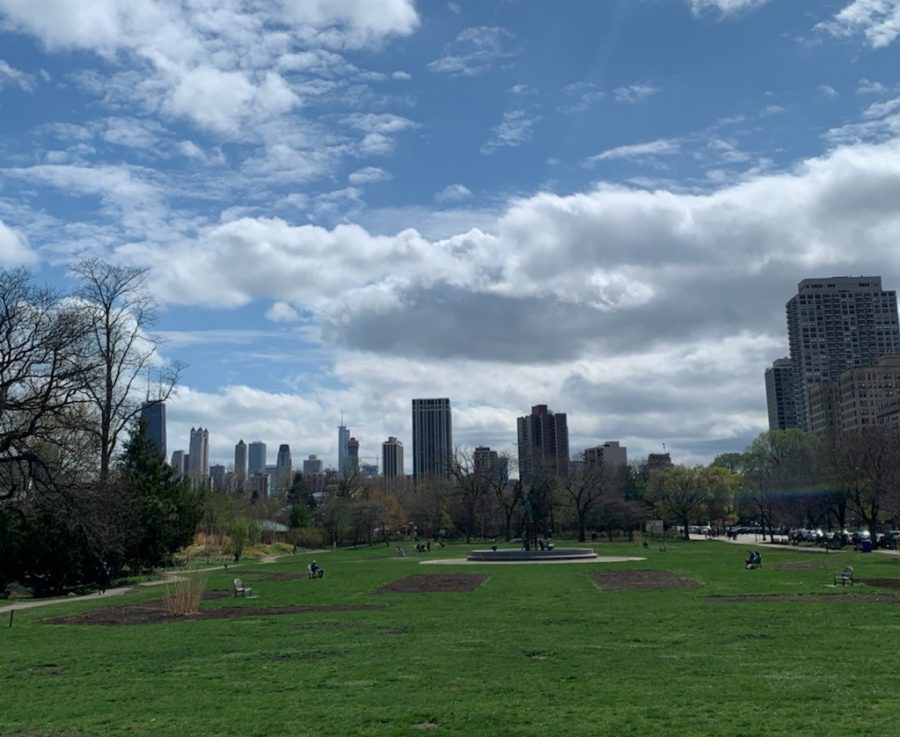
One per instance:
[(14, 248), (216, 69), (453, 193), (878, 21), (369, 175), (282, 312), (12, 77)]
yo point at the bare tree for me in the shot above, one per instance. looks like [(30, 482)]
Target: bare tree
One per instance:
[(45, 365), (470, 485), (870, 473), (122, 311), (583, 487)]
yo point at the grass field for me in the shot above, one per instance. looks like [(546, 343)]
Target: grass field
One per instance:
[(534, 650)]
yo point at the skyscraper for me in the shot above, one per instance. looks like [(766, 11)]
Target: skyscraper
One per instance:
[(154, 414), (780, 395), (543, 443), (312, 466), (283, 468), (343, 447), (835, 324), (257, 457), (198, 468), (432, 430), (240, 463), (392, 457), (178, 463), (352, 455)]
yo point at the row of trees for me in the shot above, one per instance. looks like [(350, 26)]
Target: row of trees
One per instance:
[(69, 369)]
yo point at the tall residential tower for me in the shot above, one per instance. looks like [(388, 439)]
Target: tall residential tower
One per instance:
[(543, 443), (835, 324), (432, 431)]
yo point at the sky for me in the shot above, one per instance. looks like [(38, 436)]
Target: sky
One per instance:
[(345, 204)]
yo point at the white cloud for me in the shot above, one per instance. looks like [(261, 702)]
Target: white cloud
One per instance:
[(368, 175), (453, 193), (585, 94), (474, 51), (877, 20), (725, 7), (516, 127), (14, 248), (15, 77), (635, 93), (214, 68), (659, 147), (826, 90), (282, 312), (868, 87), (403, 76)]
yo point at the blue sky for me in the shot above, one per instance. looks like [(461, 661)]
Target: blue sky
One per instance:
[(343, 204)]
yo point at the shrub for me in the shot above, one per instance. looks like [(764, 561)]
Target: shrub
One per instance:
[(183, 593)]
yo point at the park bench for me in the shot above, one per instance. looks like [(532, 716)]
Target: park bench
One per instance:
[(240, 589), (844, 577)]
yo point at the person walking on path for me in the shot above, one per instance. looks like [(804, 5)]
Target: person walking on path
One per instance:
[(104, 577)]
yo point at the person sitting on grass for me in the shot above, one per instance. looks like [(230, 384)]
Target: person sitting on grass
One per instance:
[(751, 560), (400, 551), (315, 571)]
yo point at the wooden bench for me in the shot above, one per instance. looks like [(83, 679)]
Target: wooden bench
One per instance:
[(844, 577), (240, 589)]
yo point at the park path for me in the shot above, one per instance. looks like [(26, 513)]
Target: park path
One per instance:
[(117, 591)]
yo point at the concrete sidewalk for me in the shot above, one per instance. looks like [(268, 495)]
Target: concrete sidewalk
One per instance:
[(118, 591)]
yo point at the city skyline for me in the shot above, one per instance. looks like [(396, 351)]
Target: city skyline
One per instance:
[(611, 227)]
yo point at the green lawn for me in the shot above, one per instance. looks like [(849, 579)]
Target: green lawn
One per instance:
[(535, 650)]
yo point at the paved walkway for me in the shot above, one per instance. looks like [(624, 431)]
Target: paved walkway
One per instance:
[(118, 591)]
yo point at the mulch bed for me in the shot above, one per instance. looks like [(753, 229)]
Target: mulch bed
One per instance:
[(885, 583), (810, 598), (431, 583), (284, 576), (629, 580), (803, 566), (151, 612)]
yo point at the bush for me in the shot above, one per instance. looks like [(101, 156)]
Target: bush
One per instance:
[(183, 594), (307, 537)]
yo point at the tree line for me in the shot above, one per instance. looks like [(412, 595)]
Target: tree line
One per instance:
[(80, 484)]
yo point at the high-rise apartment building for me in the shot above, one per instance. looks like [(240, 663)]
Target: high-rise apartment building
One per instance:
[(312, 466), (240, 463), (392, 457), (864, 391), (283, 468), (432, 430), (154, 415), (198, 463), (543, 439), (256, 454), (610, 454), (343, 448), (352, 463), (833, 325), (780, 395)]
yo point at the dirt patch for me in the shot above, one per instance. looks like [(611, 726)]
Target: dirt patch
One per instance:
[(308, 655), (629, 580), (151, 612), (802, 566), (284, 576), (810, 598), (884, 583), (433, 583)]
